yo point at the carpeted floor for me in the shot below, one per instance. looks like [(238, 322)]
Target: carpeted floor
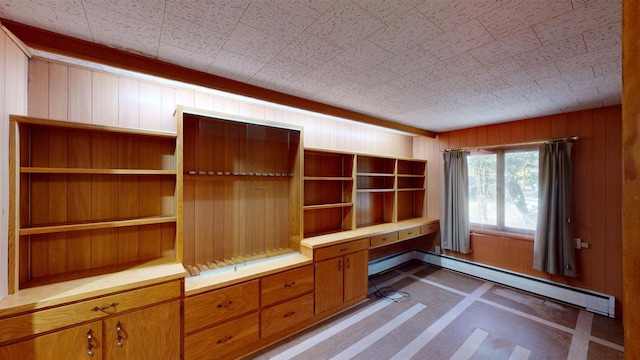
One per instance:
[(431, 313)]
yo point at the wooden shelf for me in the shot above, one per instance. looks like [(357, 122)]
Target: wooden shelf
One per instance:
[(57, 170), (321, 178), (375, 174), (51, 229), (327, 206), (374, 190), (93, 128)]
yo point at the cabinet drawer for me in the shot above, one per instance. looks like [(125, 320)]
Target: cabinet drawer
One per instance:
[(341, 249), (429, 228), (285, 315), (30, 324), (384, 239), (287, 285), (218, 341), (409, 233), (220, 305)]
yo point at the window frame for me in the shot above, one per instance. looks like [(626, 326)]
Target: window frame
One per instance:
[(500, 226)]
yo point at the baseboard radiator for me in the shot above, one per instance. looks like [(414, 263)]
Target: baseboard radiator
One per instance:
[(599, 303)]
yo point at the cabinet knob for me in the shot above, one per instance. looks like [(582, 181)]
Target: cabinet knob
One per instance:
[(90, 345)]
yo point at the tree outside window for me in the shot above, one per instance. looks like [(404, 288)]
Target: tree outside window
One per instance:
[(503, 190)]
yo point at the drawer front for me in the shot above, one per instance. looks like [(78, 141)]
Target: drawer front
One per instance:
[(429, 228), (384, 239), (287, 285), (409, 233), (219, 305), (285, 315), (341, 249), (29, 324), (218, 341)]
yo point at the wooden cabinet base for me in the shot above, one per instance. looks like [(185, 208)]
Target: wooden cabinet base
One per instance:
[(223, 341)]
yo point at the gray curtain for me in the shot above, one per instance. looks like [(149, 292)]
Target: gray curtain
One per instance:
[(454, 222), (553, 250)]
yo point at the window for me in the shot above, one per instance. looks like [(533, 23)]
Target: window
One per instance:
[(503, 190)]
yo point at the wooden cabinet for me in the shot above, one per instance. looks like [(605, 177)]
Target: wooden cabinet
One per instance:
[(328, 192), (222, 321), (341, 275), (219, 341), (218, 306), (143, 323), (152, 333), (232, 321), (87, 199), (286, 285), (79, 342), (242, 189)]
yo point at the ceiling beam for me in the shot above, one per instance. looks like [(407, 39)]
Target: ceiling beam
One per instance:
[(64, 45)]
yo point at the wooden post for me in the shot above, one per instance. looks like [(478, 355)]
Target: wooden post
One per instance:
[(631, 176)]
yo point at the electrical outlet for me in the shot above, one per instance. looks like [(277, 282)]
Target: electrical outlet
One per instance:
[(437, 249), (577, 243)]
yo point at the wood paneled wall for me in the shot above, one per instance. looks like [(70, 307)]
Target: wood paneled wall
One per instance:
[(631, 179), (13, 100), (74, 93), (597, 197)]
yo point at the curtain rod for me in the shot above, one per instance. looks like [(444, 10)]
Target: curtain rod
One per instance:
[(573, 138)]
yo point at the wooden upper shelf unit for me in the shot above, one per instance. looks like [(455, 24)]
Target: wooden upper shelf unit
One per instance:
[(88, 199), (241, 189), (344, 191)]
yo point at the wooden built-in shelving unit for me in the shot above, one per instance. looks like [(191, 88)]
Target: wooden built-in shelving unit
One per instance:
[(88, 199), (347, 191), (241, 189), (328, 192)]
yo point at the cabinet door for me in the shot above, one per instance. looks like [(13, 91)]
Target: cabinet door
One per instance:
[(329, 284), (72, 343), (356, 271), (152, 333)]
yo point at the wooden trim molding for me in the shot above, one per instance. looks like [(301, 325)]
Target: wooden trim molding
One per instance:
[(60, 44)]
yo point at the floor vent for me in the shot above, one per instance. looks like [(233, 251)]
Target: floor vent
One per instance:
[(599, 303)]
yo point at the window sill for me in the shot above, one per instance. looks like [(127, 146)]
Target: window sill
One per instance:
[(502, 234)]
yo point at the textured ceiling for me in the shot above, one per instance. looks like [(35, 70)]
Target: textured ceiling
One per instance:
[(433, 64)]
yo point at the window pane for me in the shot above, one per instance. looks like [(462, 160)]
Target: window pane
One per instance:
[(482, 189), (521, 190)]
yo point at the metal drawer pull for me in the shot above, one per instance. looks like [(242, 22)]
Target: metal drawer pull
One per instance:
[(290, 284), (384, 239), (225, 305), (348, 263), (339, 265), (289, 314), (90, 345), (224, 340), (410, 232), (119, 332), (112, 305), (344, 249)]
